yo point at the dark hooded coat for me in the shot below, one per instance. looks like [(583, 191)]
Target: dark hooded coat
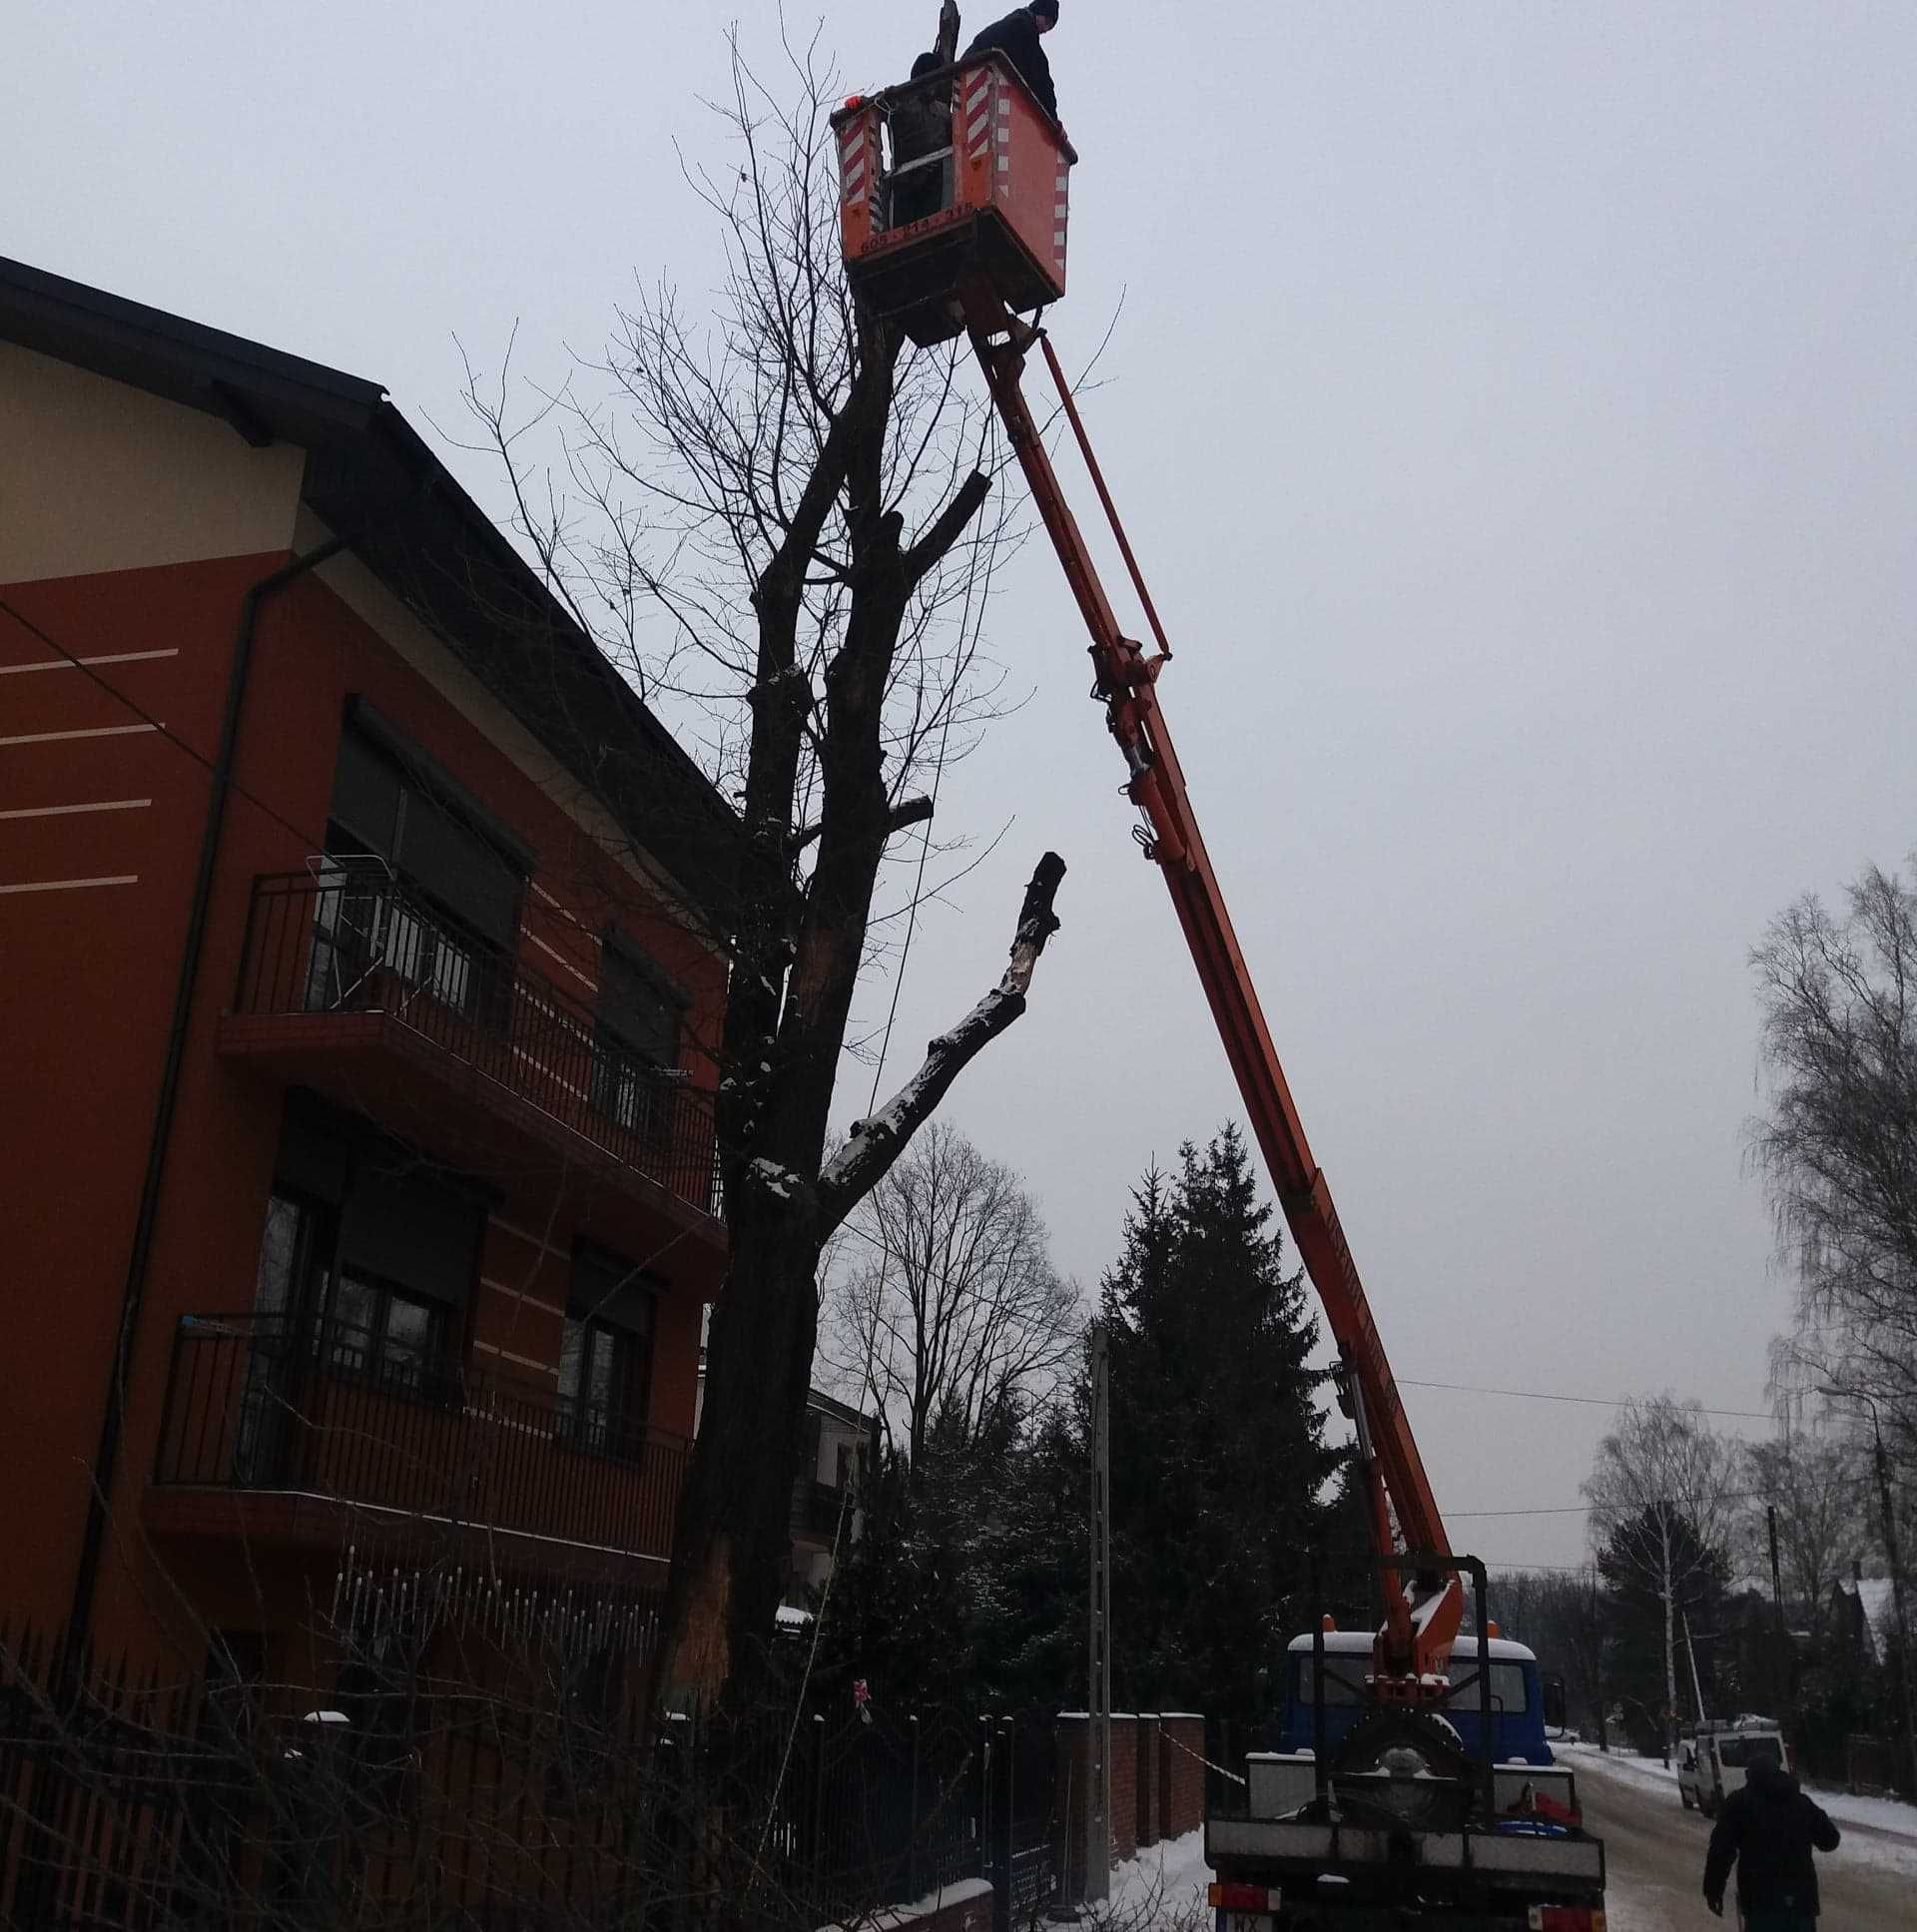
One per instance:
[(1016, 37), (1767, 1830)]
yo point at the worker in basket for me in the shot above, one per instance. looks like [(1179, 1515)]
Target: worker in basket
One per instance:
[(1017, 37), (1767, 1830), (921, 148)]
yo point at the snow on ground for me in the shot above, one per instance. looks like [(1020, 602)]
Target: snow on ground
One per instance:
[(1162, 1889), (1877, 1831)]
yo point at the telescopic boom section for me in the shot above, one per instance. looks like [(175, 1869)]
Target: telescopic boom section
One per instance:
[(1421, 1615)]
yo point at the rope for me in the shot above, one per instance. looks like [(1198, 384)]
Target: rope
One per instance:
[(1202, 1759)]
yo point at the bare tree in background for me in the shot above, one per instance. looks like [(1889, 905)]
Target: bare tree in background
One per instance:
[(1663, 1498), (776, 524), (949, 1308), (1564, 1617), (1820, 1493), (1837, 1143)]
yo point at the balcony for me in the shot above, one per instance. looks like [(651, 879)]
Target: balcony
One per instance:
[(351, 985), (303, 1432), (815, 1510)]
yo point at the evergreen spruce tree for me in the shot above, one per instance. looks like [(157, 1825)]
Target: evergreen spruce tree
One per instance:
[(1218, 1454)]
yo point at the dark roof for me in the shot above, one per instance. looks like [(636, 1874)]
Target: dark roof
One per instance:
[(373, 481)]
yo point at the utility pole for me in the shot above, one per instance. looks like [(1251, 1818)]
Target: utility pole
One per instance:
[(1098, 1626), (1697, 1683), (1786, 1688), (1896, 1575)]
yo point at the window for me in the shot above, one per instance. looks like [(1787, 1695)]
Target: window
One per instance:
[(384, 1334), (289, 1290), (1736, 1753), (605, 1356), (1344, 1680), (296, 1260), (638, 1040), (367, 1256), (1507, 1683), (427, 890)]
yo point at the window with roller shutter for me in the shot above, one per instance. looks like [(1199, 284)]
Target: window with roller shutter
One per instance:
[(367, 1256), (429, 890), (605, 1354), (638, 1038)]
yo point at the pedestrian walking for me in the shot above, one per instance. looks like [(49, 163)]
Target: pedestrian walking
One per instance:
[(1767, 1831)]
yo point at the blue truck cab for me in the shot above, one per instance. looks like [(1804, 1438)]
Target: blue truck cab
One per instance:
[(1517, 1697)]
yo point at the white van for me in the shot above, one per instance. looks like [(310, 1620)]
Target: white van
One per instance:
[(1713, 1759)]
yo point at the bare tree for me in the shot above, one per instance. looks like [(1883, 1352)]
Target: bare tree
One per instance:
[(949, 1307), (1663, 1501), (1564, 1616), (1818, 1492), (772, 521), (1838, 1142)]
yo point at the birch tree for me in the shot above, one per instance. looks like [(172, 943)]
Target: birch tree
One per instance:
[(1838, 1140), (1662, 1507)]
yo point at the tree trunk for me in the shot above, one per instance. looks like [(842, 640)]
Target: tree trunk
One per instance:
[(757, 1374)]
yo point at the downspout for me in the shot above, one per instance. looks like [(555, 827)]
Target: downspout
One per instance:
[(112, 1423)]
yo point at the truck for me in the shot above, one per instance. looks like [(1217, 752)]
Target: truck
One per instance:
[(1401, 1808)]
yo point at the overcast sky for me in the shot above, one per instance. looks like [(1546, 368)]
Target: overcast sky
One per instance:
[(1514, 408)]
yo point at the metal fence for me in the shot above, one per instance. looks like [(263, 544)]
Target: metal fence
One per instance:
[(351, 940), (277, 1403), (212, 1804)]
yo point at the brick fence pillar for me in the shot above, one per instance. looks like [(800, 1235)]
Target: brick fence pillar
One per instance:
[(1072, 1730), (1074, 1751), (1146, 1779), (1124, 1785), (1184, 1810)]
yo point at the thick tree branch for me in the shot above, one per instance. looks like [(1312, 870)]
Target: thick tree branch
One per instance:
[(948, 527), (908, 812), (877, 1142)]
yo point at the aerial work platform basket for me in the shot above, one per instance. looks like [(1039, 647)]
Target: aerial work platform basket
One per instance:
[(987, 203)]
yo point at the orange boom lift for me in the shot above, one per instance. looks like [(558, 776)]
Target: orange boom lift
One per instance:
[(997, 246)]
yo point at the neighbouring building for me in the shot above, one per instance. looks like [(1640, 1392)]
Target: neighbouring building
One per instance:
[(363, 942), (841, 1443), (1863, 1615)]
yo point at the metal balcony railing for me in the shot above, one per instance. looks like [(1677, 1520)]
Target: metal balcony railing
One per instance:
[(816, 1508), (279, 1403), (351, 940)]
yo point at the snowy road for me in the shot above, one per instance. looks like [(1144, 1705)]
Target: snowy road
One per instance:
[(1655, 1850)]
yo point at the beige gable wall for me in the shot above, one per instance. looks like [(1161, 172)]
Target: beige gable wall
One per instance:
[(96, 475)]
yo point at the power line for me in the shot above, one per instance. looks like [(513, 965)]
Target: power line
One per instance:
[(1594, 1402)]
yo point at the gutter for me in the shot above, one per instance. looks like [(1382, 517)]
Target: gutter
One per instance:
[(113, 1420)]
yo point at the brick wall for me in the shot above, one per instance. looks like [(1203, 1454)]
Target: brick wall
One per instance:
[(1182, 1808), (1157, 1782)]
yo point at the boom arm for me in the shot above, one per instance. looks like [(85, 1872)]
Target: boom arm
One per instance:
[(1421, 1617)]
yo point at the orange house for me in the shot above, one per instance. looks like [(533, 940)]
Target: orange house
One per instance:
[(363, 943)]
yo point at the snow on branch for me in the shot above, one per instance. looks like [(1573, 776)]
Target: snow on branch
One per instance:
[(877, 1142)]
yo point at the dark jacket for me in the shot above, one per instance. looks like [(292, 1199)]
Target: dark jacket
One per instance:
[(1016, 37), (1767, 1830), (921, 125)]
